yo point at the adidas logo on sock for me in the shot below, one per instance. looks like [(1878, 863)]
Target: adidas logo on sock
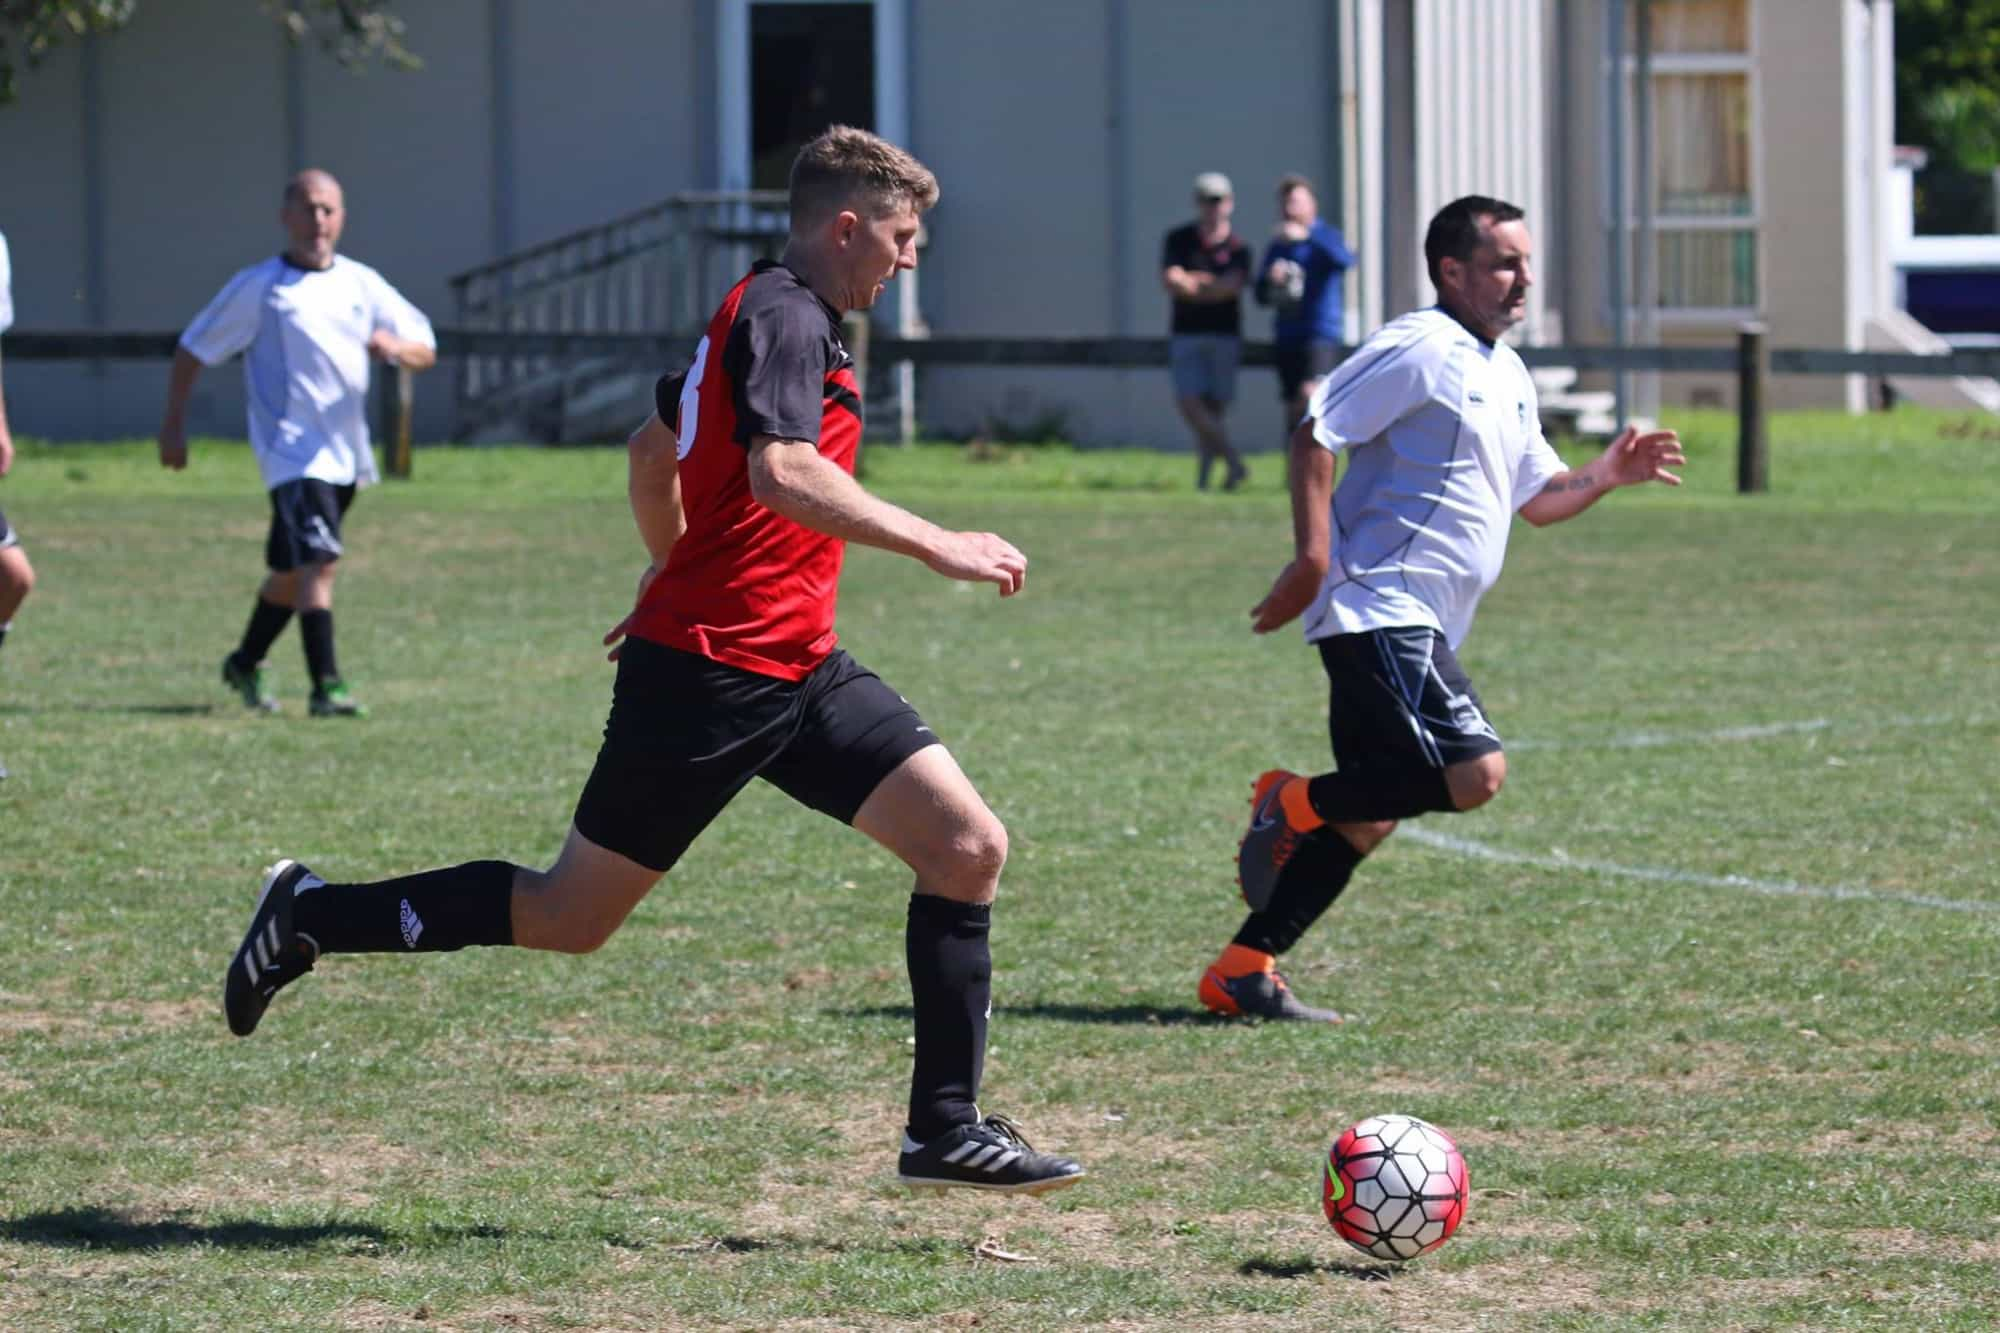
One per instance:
[(413, 925)]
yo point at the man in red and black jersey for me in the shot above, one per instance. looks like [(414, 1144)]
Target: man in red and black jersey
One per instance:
[(728, 669)]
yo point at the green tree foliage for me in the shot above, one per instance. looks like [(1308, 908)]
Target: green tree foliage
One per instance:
[(1948, 103), (356, 32)]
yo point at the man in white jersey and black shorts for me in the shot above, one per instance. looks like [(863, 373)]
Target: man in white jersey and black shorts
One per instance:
[(307, 321), (1439, 422), (17, 576)]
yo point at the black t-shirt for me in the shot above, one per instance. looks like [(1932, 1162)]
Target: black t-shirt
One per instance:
[(1183, 249)]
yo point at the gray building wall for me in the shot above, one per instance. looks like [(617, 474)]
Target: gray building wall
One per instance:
[(1059, 184), (174, 147)]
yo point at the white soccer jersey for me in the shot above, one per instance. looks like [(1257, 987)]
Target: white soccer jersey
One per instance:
[(1444, 442), (304, 334), (6, 287)]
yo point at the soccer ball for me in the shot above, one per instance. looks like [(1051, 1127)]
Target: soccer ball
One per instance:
[(1394, 1186)]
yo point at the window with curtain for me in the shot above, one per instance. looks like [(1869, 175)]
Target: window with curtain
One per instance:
[(1702, 192)]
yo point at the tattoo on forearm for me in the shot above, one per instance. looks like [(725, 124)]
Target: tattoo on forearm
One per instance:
[(1582, 481)]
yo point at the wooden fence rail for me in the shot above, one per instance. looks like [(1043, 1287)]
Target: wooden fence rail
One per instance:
[(1750, 360)]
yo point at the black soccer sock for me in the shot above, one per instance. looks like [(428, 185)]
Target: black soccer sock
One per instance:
[(3, 633), (267, 622), (1368, 795), (1306, 887), (951, 985), (434, 912), (316, 628)]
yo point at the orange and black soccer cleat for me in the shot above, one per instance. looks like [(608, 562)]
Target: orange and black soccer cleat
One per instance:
[(1280, 814), (1246, 983)]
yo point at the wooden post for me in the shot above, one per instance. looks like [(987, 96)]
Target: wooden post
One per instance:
[(398, 405), (1753, 453)]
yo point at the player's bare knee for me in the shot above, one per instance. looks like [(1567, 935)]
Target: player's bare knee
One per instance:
[(981, 850), (967, 867), (1477, 781), (17, 576)]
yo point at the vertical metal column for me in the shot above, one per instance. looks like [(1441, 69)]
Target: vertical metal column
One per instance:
[(1614, 87)]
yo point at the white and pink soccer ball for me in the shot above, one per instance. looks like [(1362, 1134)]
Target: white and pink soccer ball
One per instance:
[(1394, 1186)]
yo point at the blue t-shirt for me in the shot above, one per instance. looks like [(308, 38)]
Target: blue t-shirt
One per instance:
[(1324, 256)]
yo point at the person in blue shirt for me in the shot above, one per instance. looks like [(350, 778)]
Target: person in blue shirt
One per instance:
[(1300, 278)]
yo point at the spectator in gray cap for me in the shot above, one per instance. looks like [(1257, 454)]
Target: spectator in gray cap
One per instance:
[(1205, 266)]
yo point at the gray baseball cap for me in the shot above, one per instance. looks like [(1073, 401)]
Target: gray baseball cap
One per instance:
[(1212, 185)]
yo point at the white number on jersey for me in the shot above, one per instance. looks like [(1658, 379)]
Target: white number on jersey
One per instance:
[(690, 409)]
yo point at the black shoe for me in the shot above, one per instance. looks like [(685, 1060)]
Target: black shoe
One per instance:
[(273, 954), (248, 683), (990, 1155)]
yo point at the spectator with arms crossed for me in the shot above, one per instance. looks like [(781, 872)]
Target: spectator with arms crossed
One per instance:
[(1204, 266)]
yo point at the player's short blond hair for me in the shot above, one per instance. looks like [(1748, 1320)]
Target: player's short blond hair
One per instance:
[(847, 168)]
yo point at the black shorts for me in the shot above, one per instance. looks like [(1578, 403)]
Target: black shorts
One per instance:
[(1399, 697), (8, 537), (1297, 362), (305, 523), (686, 734)]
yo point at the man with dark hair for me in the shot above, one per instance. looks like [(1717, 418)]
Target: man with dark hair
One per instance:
[(742, 487), (1300, 277), (1204, 267), (17, 576), (308, 321), (1440, 425)]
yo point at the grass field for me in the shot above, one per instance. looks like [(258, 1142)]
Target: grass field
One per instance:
[(1709, 996)]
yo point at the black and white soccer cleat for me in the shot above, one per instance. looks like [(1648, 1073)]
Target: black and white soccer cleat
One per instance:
[(990, 1155), (273, 954)]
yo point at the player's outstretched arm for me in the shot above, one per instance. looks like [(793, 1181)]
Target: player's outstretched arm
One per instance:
[(173, 425), (1633, 458), (792, 478), (1311, 472)]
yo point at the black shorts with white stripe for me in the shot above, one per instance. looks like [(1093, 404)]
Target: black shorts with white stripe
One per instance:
[(305, 523), (1399, 697)]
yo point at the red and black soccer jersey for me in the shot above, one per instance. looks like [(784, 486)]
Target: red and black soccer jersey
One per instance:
[(745, 585)]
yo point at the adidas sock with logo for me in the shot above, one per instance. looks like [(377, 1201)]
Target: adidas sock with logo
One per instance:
[(1379, 793), (1306, 887), (316, 628), (951, 986), (267, 622), (434, 912)]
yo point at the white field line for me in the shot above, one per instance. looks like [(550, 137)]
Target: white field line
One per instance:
[(1445, 842), (1644, 740)]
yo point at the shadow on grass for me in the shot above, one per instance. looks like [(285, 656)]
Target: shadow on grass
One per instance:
[(140, 710), (106, 1229), (1145, 1015), (1359, 1270)]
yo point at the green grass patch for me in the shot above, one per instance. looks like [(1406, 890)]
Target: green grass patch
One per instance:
[(1708, 995)]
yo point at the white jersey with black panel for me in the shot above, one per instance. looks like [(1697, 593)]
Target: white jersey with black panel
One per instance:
[(304, 334), (1443, 437)]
